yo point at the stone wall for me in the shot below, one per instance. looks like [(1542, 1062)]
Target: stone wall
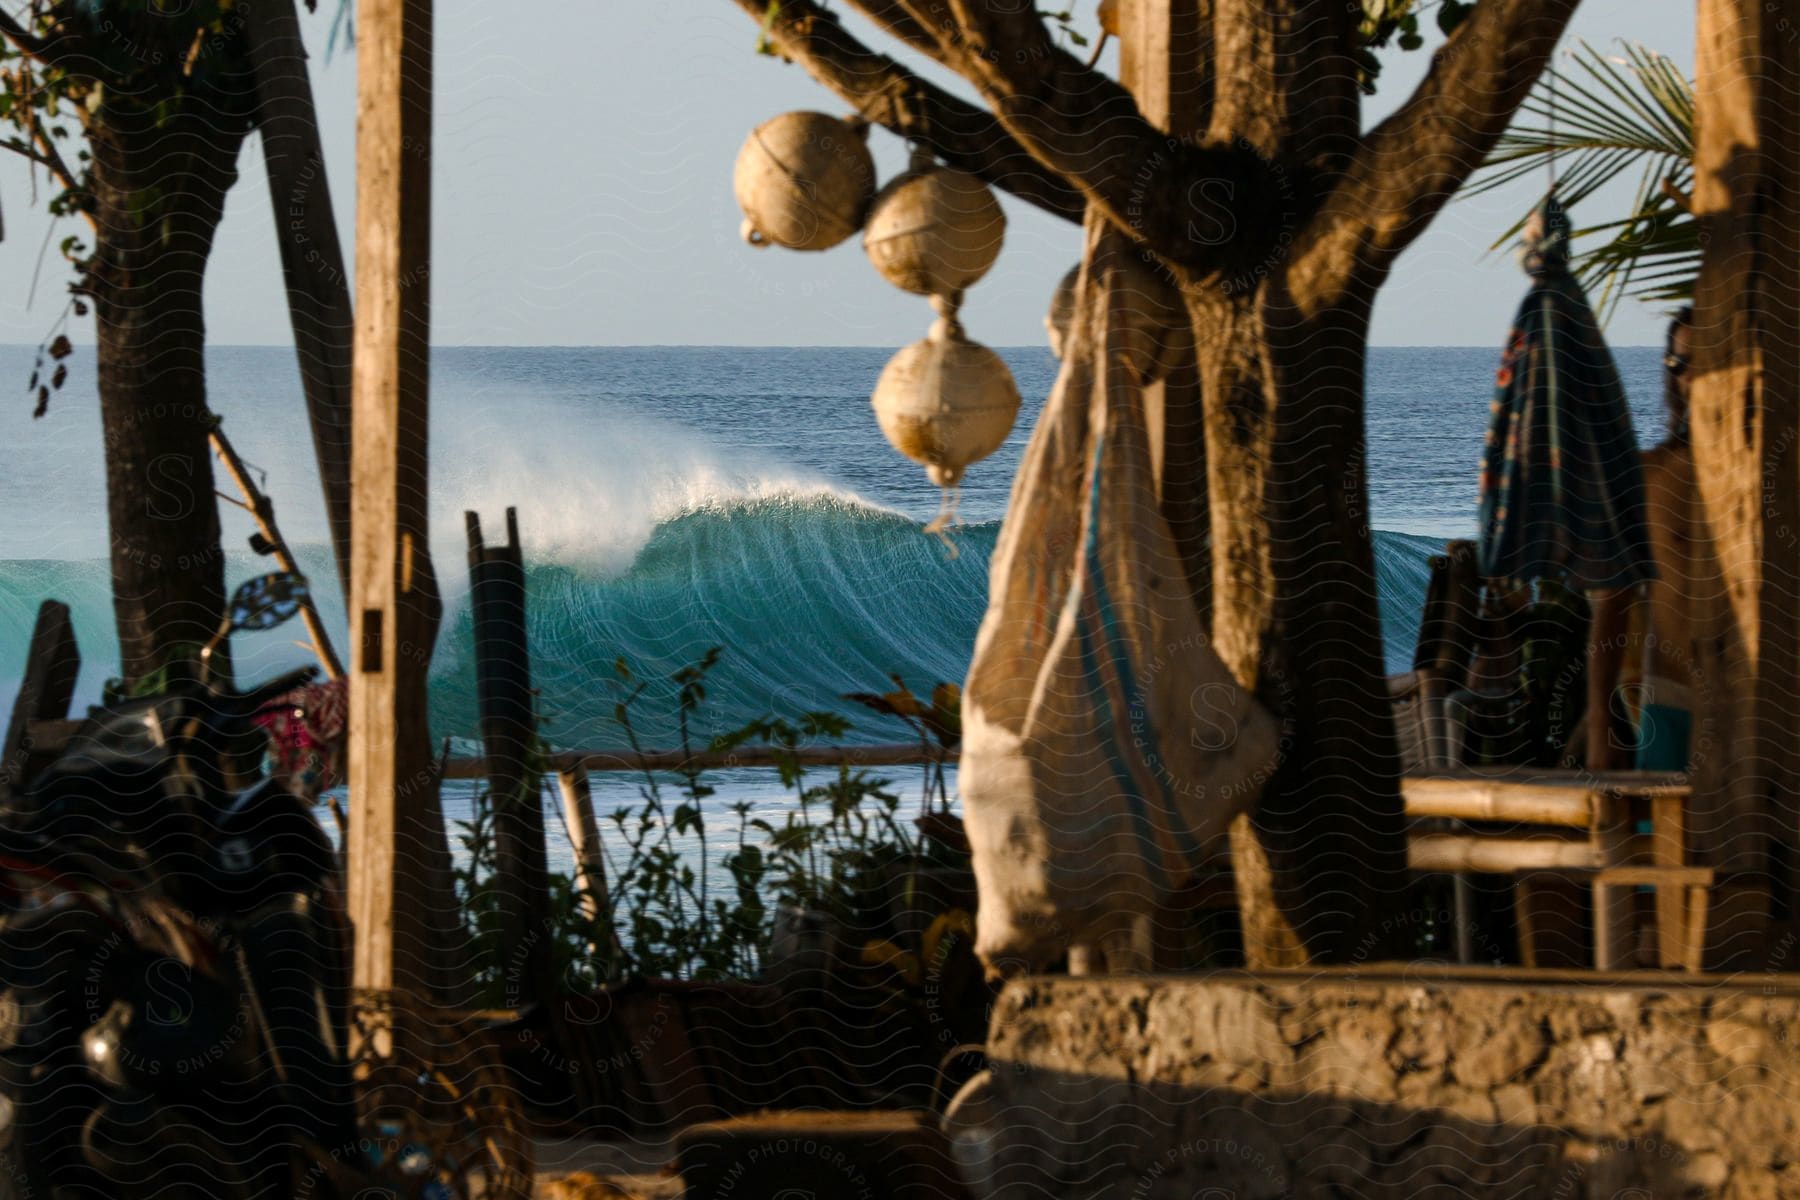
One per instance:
[(1425, 1086)]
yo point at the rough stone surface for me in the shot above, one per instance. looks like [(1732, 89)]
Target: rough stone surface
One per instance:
[(1342, 1084)]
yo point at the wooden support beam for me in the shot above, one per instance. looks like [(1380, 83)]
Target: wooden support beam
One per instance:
[(312, 260), (504, 698), (52, 664), (1745, 418), (396, 855), (1490, 855), (1668, 835), (584, 841), (1470, 799), (889, 754)]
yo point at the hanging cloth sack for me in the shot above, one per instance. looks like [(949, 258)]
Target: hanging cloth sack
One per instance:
[(1104, 742)]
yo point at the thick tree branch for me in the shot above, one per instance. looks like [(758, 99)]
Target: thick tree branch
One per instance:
[(19, 36), (60, 47), (958, 133), (1190, 204), (1412, 163), (903, 21)]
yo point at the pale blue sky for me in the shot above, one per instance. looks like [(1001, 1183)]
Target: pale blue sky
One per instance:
[(583, 197)]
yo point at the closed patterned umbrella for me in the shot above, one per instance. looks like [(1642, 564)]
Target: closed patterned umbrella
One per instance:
[(1562, 494)]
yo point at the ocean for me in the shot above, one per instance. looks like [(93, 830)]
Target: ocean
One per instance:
[(672, 499)]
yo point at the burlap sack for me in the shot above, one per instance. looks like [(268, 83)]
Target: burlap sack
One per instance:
[(1105, 744)]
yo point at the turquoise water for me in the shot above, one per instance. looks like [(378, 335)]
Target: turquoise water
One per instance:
[(672, 499)]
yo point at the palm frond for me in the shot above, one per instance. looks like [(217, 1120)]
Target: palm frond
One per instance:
[(1593, 121)]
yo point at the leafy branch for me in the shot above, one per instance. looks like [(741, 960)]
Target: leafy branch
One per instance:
[(1604, 119)]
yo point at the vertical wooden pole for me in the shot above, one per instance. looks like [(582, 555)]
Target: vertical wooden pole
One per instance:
[(312, 261), (509, 738), (1745, 419), (1163, 49), (394, 604), (1162, 46), (584, 842)]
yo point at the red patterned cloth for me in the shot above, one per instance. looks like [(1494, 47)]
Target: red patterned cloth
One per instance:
[(306, 735)]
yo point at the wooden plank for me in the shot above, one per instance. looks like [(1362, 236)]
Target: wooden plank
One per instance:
[(1694, 947), (1615, 929), (52, 663), (1473, 799), (655, 1025), (1624, 783), (584, 840), (504, 699), (396, 859), (312, 260), (1668, 838), (1650, 876), (1484, 854), (891, 754)]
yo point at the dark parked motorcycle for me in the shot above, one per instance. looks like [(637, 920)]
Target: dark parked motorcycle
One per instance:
[(173, 966)]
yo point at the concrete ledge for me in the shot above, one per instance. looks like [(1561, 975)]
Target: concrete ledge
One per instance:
[(1426, 1083)]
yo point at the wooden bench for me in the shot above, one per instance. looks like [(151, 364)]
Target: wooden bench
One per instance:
[(1577, 824)]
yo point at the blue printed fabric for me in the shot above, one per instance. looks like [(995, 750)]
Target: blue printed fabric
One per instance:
[(1562, 494)]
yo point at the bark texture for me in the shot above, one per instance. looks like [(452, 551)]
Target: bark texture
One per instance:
[(164, 156), (1745, 417), (1242, 166)]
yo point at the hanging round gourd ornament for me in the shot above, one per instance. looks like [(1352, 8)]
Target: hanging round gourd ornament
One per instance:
[(946, 402), (804, 181), (934, 230)]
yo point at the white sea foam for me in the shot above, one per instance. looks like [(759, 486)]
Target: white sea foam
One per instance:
[(590, 493)]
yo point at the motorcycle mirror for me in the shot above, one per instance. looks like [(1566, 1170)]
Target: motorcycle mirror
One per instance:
[(267, 600)]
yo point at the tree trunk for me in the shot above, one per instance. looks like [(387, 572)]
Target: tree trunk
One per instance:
[(1295, 617), (1745, 419), (1237, 158), (1294, 602), (161, 167)]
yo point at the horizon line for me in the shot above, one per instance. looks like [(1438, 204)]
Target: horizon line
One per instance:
[(768, 346)]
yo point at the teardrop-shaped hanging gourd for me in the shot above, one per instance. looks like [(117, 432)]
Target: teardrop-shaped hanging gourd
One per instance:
[(934, 230), (945, 401), (804, 181)]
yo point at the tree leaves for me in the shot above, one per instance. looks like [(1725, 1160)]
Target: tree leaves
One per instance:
[(1592, 125), (1397, 21), (56, 349)]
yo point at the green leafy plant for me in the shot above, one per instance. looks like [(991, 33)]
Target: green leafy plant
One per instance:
[(1396, 22), (1603, 119), (839, 851), (938, 722)]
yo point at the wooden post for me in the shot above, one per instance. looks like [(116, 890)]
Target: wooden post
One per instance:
[(312, 261), (51, 666), (1160, 44), (1745, 419), (509, 736), (584, 841), (395, 852)]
